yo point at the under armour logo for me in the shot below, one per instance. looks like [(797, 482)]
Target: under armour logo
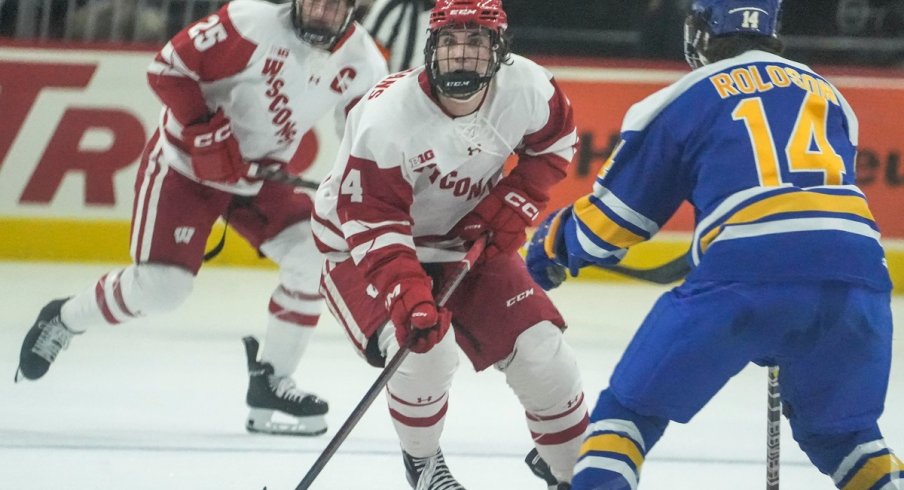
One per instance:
[(574, 401), (472, 150), (183, 234)]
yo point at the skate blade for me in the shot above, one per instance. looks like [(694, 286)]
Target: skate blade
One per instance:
[(262, 421)]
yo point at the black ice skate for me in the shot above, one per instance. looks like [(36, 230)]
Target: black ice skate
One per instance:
[(429, 473), (272, 398), (44, 341), (541, 469)]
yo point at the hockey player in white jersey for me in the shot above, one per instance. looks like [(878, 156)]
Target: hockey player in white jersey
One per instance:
[(240, 88), (418, 176)]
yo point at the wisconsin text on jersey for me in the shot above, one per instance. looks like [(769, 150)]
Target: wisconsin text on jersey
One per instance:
[(279, 101)]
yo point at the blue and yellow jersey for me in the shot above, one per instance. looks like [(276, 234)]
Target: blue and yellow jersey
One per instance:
[(764, 150)]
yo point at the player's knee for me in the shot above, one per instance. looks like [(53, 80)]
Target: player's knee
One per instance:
[(288, 241), (542, 369), (159, 287), (299, 260), (441, 359), (434, 367), (856, 460)]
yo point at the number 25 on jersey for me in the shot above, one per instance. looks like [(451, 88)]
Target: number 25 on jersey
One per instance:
[(207, 32)]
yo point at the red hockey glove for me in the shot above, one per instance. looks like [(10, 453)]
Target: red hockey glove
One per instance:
[(214, 151), (506, 211), (414, 312)]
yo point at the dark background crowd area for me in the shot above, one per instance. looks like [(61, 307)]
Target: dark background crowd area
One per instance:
[(859, 32), (864, 32)]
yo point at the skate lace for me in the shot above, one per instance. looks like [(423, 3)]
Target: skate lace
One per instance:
[(433, 474), (284, 388), (54, 338)]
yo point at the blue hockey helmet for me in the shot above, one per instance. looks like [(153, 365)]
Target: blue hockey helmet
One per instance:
[(717, 18)]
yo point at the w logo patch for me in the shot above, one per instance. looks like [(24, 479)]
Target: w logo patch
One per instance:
[(183, 234)]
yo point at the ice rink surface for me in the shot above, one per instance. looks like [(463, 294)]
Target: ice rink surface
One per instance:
[(159, 403)]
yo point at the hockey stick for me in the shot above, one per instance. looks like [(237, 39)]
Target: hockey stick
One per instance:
[(667, 273), (464, 265), (773, 430), (276, 174)]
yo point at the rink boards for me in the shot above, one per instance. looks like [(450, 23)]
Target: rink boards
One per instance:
[(75, 121)]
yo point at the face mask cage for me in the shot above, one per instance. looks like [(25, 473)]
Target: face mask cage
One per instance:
[(462, 60), (696, 38), (321, 23)]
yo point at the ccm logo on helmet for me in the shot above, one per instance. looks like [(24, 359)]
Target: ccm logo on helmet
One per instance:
[(220, 135), (463, 12), (522, 204)]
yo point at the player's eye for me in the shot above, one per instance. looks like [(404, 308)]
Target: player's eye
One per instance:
[(478, 41)]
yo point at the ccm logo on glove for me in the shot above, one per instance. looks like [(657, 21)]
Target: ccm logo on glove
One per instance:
[(218, 136), (215, 153), (521, 203)]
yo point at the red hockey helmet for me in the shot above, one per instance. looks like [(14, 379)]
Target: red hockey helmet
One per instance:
[(486, 13), (467, 75)]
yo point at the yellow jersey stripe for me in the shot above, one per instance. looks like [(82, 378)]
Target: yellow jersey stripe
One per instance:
[(793, 202), (550, 242), (602, 226), (614, 443), (873, 470)]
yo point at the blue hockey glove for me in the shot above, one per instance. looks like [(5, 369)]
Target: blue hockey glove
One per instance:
[(546, 254), (554, 250)]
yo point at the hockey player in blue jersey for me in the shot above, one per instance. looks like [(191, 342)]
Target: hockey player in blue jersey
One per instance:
[(788, 267)]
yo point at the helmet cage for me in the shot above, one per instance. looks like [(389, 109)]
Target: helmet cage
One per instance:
[(322, 36), (467, 79), (696, 40)]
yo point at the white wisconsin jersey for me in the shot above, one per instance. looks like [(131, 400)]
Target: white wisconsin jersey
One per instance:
[(400, 142), (248, 61)]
